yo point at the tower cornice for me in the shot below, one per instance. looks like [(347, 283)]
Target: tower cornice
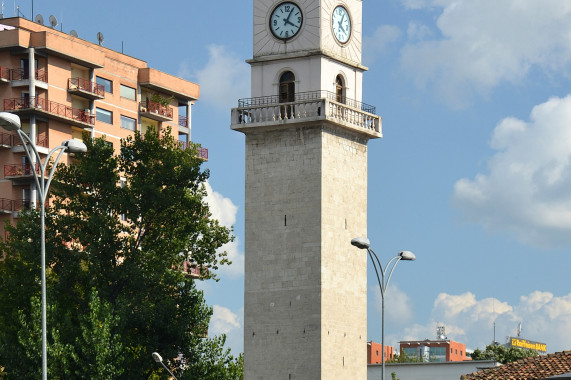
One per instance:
[(305, 54)]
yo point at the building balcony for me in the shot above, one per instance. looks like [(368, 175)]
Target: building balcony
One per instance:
[(202, 152), (155, 111), (21, 172), (74, 116), (6, 206), (86, 89), (308, 107), (183, 121), (21, 78), (193, 270), (4, 74)]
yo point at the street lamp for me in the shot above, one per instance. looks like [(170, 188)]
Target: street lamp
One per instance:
[(11, 122), (159, 359), (363, 243)]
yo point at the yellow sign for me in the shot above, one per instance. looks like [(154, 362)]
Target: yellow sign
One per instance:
[(522, 343)]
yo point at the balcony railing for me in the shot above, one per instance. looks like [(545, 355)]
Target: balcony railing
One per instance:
[(50, 107), (6, 205), (8, 139), (20, 170), (80, 85), (4, 73), (23, 74), (156, 110), (308, 96), (309, 106), (202, 152), (183, 121)]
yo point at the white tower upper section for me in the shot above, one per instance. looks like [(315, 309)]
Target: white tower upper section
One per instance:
[(323, 46)]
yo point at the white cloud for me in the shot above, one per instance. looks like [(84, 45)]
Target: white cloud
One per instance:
[(546, 318), (378, 43), (482, 44), (526, 189), (223, 321), (225, 78), (224, 210), (398, 305)]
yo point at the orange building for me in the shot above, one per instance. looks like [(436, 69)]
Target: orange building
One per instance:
[(374, 353), (61, 85)]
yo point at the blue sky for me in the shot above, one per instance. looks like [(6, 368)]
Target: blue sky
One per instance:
[(473, 174)]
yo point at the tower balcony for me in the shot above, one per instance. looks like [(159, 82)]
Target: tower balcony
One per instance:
[(156, 111), (47, 108), (307, 107), (84, 88)]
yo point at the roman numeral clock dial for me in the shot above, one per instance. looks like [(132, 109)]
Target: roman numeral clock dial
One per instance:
[(341, 24), (286, 20)]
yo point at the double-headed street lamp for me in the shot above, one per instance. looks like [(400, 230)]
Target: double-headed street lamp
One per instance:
[(363, 243), (11, 122)]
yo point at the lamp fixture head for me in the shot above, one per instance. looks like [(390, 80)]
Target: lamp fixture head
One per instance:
[(361, 242), (407, 255), (75, 146), (10, 121), (157, 357)]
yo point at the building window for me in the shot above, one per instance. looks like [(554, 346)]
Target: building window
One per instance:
[(339, 89), (127, 92), (104, 115), (128, 123), (105, 83)]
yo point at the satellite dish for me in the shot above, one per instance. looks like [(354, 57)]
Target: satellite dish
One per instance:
[(100, 37), (53, 21), (39, 19), (73, 33)]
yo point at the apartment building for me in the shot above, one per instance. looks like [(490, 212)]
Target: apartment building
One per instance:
[(61, 85)]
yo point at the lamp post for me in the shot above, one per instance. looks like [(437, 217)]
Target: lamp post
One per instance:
[(363, 243), (159, 359), (11, 122)]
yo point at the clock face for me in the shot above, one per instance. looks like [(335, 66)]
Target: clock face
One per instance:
[(286, 20), (341, 24)]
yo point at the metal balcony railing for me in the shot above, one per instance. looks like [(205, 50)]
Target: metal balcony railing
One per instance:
[(4, 73), (20, 170), (6, 205), (156, 108), (183, 121), (86, 85), (202, 152), (48, 106), (23, 74), (8, 139)]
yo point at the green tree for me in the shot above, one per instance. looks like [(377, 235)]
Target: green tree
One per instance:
[(118, 230), (502, 354), (403, 358)]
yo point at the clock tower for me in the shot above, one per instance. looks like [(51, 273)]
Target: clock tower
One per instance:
[(306, 131)]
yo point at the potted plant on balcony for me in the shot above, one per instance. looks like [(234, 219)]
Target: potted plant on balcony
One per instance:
[(163, 101)]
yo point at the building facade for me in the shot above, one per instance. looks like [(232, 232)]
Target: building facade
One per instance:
[(441, 350), (375, 353), (306, 132), (61, 86)]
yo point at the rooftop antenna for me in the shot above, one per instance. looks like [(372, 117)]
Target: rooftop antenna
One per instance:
[(39, 19), (53, 21), (100, 37), (73, 33), (441, 332)]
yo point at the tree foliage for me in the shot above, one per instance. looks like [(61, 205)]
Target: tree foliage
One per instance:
[(118, 230), (502, 354)]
